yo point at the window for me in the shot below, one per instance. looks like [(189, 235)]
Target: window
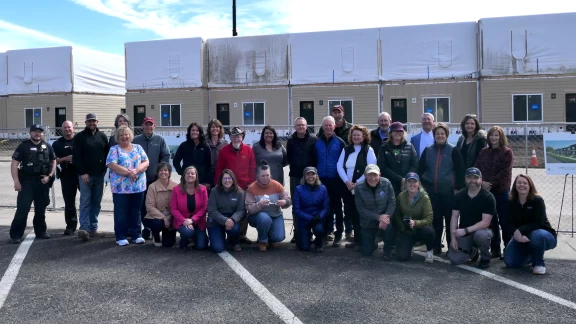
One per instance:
[(527, 108), (170, 115), (439, 107), (253, 113), (348, 108), (33, 116)]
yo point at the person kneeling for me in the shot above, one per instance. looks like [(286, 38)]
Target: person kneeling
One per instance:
[(159, 217), (475, 207), (311, 205), (375, 203), (413, 219), (265, 199), (225, 211)]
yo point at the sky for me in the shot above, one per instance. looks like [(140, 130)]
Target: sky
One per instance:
[(105, 25)]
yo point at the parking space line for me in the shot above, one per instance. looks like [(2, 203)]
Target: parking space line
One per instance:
[(12, 272), (272, 302), (512, 283)]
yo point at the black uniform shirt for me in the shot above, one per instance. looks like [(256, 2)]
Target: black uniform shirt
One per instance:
[(63, 148)]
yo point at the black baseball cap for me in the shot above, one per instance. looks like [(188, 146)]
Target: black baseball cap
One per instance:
[(473, 172)]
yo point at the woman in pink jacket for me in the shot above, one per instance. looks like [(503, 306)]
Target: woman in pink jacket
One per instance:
[(188, 204)]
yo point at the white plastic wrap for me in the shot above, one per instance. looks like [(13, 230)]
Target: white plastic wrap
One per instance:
[(62, 69), (425, 52), (334, 56), (248, 61), (528, 45), (3, 90), (170, 63)]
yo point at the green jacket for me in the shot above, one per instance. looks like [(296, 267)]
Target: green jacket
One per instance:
[(420, 211)]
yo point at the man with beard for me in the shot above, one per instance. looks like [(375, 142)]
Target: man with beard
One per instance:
[(89, 154), (342, 126), (474, 206), (426, 137), (379, 135), (239, 158), (68, 175)]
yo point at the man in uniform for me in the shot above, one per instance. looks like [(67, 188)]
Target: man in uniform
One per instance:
[(33, 166), (68, 175)]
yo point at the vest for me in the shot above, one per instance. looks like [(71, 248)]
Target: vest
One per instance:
[(36, 161), (361, 160)]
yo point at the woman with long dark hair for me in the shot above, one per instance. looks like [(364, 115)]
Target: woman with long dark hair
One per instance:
[(471, 141), (271, 150), (195, 152)]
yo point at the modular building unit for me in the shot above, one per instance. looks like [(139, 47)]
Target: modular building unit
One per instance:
[(52, 85), (3, 112), (430, 68), (3, 91), (528, 68), (165, 79)]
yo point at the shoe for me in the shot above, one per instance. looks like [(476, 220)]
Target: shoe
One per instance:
[(475, 255), (122, 242), (349, 237), (237, 248), (330, 237), (96, 234), (336, 243), (83, 235), (262, 247), (43, 236), (15, 241), (484, 264), (139, 240), (146, 234), (539, 270), (350, 245), (318, 249), (156, 240), (437, 251), (69, 231), (293, 240), (245, 240), (387, 255), (429, 258)]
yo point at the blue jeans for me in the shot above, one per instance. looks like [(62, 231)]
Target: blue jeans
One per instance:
[(156, 226), (218, 234), (519, 254), (90, 199), (367, 245), (269, 228), (127, 215), (200, 238), (303, 236)]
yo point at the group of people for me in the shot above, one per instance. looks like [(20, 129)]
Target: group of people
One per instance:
[(345, 181)]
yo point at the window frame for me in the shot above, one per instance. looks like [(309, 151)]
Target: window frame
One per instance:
[(160, 114), (348, 118), (253, 103), (526, 95), (435, 114), (41, 116)]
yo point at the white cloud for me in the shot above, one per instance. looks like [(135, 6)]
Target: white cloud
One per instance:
[(17, 37)]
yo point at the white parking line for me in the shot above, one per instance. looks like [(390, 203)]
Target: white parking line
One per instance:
[(14, 267), (512, 283), (272, 302)]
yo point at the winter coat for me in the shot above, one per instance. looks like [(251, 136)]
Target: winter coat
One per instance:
[(310, 201), (420, 211), (478, 143), (396, 161)]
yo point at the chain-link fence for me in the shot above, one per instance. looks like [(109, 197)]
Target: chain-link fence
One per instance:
[(524, 139)]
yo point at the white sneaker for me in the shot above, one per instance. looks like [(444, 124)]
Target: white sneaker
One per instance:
[(122, 242), (139, 240), (429, 257), (539, 270)]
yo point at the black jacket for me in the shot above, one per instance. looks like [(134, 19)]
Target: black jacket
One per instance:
[(197, 155), (530, 217), (301, 153), (396, 161), (376, 142), (90, 152)]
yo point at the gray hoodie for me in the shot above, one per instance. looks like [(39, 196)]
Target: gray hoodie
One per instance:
[(157, 151)]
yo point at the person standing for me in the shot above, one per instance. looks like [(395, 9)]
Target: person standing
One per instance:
[(379, 135), (301, 152), (195, 152), (426, 137), (269, 149), (239, 158), (121, 120), (89, 154), (33, 165), (68, 175), (471, 141), (215, 141), (157, 151), (341, 126)]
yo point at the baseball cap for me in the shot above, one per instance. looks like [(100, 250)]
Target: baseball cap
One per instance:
[(148, 120), (91, 116), (473, 172), (36, 127), (310, 169), (372, 168), (339, 107), (412, 175)]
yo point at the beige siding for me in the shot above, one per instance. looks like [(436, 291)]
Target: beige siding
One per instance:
[(364, 101), (193, 104), (3, 112), (275, 103), (463, 97), (496, 97), (16, 106), (105, 107)]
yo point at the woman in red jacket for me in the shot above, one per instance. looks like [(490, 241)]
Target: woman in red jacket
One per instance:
[(188, 204)]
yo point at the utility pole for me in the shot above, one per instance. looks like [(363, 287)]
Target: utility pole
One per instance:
[(234, 33)]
